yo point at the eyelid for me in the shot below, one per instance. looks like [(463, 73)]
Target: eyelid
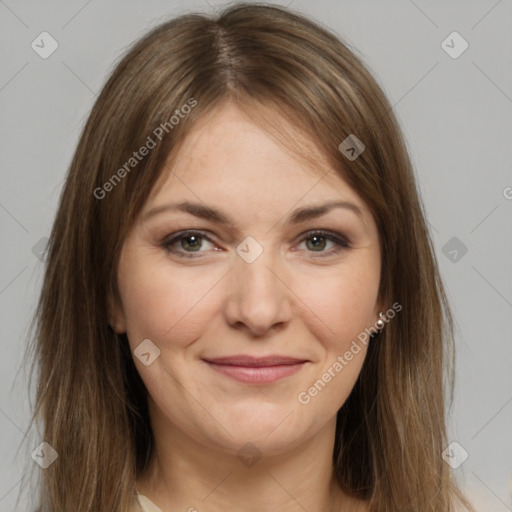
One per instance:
[(175, 237), (340, 240)]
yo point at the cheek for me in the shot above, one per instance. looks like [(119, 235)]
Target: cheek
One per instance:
[(341, 304), (339, 308), (163, 303)]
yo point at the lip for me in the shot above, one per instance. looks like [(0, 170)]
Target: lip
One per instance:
[(256, 370)]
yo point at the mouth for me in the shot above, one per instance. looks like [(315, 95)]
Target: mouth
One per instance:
[(256, 370)]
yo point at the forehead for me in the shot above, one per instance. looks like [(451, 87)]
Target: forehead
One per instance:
[(227, 154)]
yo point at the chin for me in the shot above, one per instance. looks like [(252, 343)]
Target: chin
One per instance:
[(271, 434), (247, 443)]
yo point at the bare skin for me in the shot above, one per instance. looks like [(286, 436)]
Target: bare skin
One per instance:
[(302, 297)]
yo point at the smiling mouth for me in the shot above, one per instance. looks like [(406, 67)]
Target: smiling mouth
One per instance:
[(254, 370)]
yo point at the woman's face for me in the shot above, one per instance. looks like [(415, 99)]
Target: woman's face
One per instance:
[(278, 307)]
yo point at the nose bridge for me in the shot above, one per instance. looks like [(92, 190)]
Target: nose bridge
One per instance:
[(258, 298), (257, 269)]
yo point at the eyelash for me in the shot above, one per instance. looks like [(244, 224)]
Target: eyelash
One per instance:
[(340, 241)]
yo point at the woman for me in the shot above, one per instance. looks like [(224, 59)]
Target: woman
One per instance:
[(199, 346)]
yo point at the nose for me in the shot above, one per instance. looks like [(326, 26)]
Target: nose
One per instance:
[(259, 300)]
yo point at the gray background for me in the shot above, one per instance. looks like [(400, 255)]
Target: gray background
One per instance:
[(457, 119)]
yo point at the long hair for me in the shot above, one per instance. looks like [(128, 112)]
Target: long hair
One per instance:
[(90, 399)]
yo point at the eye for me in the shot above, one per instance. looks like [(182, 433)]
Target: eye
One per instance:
[(186, 243), (319, 238), (189, 239)]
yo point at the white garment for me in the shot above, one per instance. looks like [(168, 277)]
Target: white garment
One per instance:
[(144, 504)]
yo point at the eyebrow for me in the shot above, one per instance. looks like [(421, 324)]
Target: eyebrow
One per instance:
[(214, 215)]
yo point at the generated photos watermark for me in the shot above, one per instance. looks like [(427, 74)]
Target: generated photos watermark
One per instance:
[(151, 142), (304, 397)]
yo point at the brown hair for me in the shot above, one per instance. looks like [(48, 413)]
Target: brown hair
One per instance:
[(90, 399)]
